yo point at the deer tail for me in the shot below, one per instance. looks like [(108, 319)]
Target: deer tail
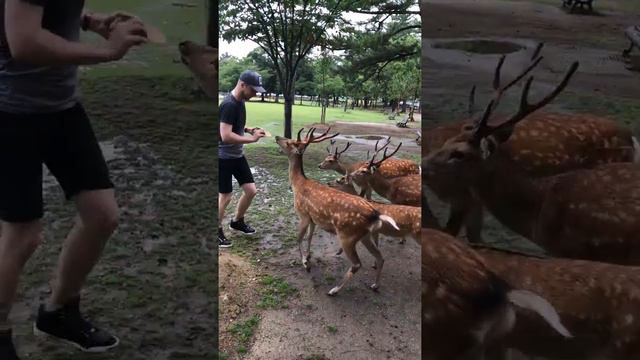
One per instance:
[(528, 300), (388, 219)]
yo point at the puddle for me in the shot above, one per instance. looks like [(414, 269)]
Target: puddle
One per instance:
[(480, 46), (369, 140)]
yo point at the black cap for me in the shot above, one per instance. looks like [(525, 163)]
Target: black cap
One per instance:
[(253, 79)]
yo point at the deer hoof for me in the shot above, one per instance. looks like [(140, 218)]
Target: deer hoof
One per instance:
[(333, 291), (374, 287)]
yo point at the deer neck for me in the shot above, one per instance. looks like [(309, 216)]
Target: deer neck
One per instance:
[(296, 170), (342, 167), (380, 184), (509, 194)]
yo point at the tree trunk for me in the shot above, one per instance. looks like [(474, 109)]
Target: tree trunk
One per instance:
[(345, 104), (288, 104), (262, 97), (404, 106)]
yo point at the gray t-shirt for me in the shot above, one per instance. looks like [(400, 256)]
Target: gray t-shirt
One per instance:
[(234, 113), (26, 88)]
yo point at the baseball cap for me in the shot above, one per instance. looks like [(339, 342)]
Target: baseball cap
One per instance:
[(253, 79)]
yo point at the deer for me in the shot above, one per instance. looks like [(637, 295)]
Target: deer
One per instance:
[(598, 302), (546, 144), (406, 217), (403, 190), (391, 169), (332, 162), (467, 309), (588, 213), (202, 62), (350, 217)]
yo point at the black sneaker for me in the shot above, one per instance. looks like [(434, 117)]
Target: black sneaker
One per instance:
[(223, 242), (68, 325), (7, 350), (241, 226)]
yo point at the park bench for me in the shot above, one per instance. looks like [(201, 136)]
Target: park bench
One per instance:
[(633, 34), (403, 122), (573, 4)]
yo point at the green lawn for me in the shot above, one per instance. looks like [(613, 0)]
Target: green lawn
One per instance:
[(270, 116), (178, 24)]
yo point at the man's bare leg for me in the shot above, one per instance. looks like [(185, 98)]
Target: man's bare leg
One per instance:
[(96, 221), (18, 241)]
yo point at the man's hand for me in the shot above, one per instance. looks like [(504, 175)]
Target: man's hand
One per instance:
[(257, 134), (123, 35), (102, 24)]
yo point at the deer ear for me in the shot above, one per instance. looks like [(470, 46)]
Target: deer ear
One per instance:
[(487, 147)]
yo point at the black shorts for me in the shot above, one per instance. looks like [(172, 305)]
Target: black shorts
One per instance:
[(238, 168), (64, 141)]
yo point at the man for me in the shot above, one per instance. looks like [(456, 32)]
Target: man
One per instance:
[(232, 162), (41, 121)]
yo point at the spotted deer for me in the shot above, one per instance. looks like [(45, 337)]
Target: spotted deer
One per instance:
[(467, 309), (406, 217), (202, 62), (332, 162), (587, 213), (546, 144), (350, 217), (599, 304), (402, 190), (390, 169)]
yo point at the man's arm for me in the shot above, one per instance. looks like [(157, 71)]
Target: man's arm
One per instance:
[(228, 136), (29, 42)]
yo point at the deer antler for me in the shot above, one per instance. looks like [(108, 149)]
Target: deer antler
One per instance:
[(310, 138), (338, 153), (482, 129), (535, 60), (331, 143), (374, 163)]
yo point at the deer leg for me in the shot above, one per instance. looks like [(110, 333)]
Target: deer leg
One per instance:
[(349, 246), (373, 249), (302, 229), (374, 236), (312, 228)]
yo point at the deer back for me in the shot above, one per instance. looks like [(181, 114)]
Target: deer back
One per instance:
[(593, 214), (391, 168)]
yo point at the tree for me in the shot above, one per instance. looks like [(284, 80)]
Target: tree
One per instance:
[(287, 30)]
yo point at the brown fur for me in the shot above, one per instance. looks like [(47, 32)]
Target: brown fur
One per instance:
[(599, 303)]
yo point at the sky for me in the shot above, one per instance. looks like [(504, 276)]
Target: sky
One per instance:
[(240, 49)]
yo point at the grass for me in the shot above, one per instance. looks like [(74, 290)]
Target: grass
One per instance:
[(176, 22), (244, 331), (270, 116), (332, 329), (274, 292)]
